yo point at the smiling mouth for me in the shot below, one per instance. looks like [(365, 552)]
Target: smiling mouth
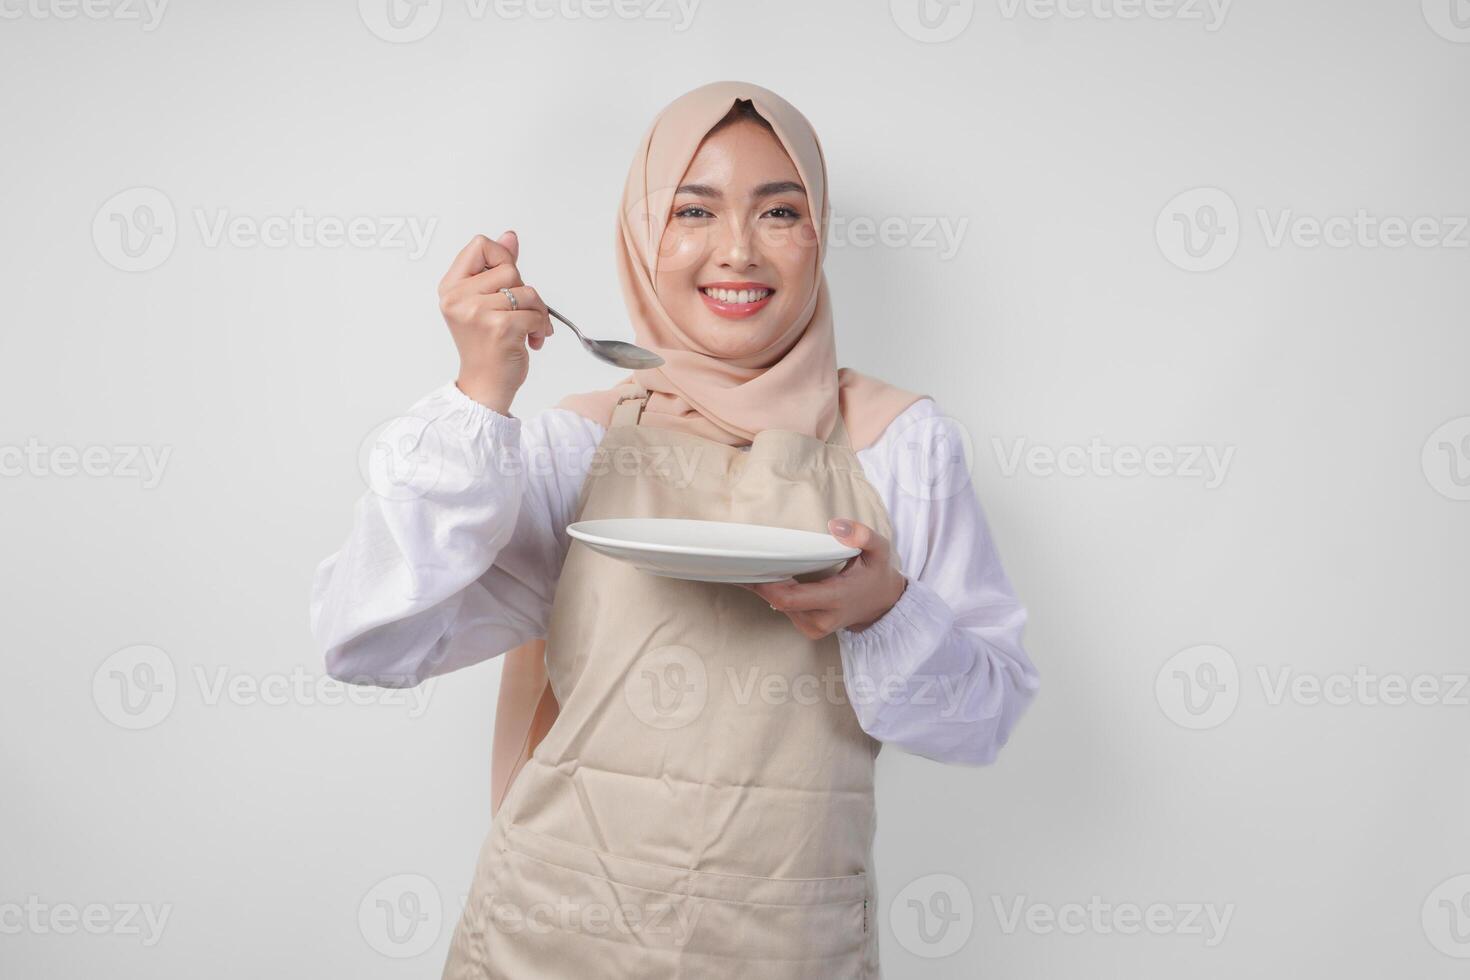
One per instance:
[(736, 300)]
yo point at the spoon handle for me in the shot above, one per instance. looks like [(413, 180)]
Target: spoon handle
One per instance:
[(616, 352), (567, 322)]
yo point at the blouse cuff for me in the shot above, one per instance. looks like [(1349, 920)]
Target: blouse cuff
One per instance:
[(896, 645), (472, 418)]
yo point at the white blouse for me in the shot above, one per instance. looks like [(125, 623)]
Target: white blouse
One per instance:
[(455, 558)]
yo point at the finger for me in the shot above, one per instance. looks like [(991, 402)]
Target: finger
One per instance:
[(526, 298), (489, 281), (812, 627), (537, 337), (481, 253), (766, 590), (529, 323), (517, 325), (856, 534), (807, 596)]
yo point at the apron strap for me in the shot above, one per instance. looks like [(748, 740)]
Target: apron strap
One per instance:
[(629, 407), (631, 401)]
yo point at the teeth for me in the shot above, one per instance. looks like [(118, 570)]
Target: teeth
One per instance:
[(737, 295)]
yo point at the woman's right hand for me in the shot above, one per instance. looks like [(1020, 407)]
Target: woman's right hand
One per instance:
[(491, 337)]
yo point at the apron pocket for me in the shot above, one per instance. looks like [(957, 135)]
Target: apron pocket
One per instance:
[(564, 907)]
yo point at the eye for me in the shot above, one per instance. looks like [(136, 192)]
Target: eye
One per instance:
[(692, 211), (783, 212)]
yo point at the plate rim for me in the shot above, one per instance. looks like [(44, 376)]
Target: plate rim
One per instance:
[(840, 550)]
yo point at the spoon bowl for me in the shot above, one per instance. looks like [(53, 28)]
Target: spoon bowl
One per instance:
[(616, 352)]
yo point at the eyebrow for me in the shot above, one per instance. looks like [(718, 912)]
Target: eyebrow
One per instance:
[(764, 190)]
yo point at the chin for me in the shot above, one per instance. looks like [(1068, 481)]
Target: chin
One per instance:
[(734, 338)]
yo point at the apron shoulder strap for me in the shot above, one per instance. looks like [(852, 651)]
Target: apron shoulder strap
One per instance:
[(629, 407)]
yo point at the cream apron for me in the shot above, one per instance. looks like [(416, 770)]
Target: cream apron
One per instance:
[(702, 807)]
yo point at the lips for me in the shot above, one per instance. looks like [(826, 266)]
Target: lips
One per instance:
[(735, 300)]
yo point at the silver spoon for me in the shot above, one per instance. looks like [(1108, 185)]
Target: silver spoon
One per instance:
[(617, 352)]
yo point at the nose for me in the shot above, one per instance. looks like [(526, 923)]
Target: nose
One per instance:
[(736, 248)]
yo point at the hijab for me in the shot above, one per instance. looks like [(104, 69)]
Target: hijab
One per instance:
[(793, 384)]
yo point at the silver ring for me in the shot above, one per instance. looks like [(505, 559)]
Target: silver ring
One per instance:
[(510, 296)]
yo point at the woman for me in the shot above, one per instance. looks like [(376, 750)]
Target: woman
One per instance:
[(702, 802)]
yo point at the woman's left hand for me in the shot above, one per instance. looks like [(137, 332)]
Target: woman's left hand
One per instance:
[(865, 589)]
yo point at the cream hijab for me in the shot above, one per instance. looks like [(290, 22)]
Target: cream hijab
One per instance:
[(795, 383)]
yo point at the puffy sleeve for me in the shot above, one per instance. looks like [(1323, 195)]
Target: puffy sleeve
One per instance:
[(943, 674), (456, 546)]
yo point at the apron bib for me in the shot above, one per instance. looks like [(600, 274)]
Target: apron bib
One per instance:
[(702, 806)]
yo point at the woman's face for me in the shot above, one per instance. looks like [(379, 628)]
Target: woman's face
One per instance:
[(738, 258)]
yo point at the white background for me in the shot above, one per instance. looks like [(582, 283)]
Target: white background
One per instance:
[(1067, 317)]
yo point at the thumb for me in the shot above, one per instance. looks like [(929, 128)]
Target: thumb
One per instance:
[(851, 533), (512, 242)]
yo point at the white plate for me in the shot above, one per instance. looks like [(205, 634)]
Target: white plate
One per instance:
[(711, 551)]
